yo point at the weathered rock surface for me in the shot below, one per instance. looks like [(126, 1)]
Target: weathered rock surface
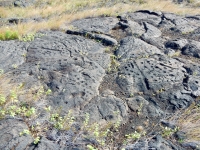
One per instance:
[(10, 138), (12, 54), (192, 49), (133, 48), (107, 107), (102, 24), (155, 143), (75, 65)]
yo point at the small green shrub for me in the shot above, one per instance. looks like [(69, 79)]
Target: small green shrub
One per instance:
[(9, 35), (167, 132), (27, 38), (133, 136), (114, 64), (90, 147)]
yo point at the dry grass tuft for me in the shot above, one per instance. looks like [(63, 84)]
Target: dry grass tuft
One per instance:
[(188, 121)]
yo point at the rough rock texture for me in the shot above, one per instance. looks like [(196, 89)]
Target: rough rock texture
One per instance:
[(102, 24), (131, 47), (192, 49), (10, 139), (156, 143), (12, 54), (106, 108), (112, 68)]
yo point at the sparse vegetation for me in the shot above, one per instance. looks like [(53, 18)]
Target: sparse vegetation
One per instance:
[(12, 106), (26, 107), (188, 122), (167, 132), (69, 10), (114, 64)]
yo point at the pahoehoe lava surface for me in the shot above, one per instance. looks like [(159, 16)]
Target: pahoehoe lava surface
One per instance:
[(74, 65)]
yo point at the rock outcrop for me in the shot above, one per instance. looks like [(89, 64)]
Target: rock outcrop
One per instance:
[(152, 78)]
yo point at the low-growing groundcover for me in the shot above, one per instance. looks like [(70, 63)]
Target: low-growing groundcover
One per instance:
[(19, 103)]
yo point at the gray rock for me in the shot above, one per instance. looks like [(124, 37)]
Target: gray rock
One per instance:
[(151, 31), (10, 135), (185, 25), (106, 40), (192, 145), (169, 52), (136, 28), (184, 29), (131, 47), (156, 142), (177, 44), (166, 24), (73, 66), (106, 107), (67, 65), (136, 102), (168, 124), (146, 74), (160, 143), (192, 49), (171, 16), (143, 107), (193, 85), (144, 16), (24, 3), (13, 54), (177, 98), (99, 25), (197, 31), (155, 41), (47, 144), (180, 135)]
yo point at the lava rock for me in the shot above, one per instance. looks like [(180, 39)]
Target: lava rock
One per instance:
[(192, 49)]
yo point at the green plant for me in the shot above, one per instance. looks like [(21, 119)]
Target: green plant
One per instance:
[(2, 99), (9, 35), (24, 132), (57, 120), (132, 137), (36, 140), (117, 124), (107, 50), (15, 66), (10, 105), (1, 71), (131, 95), (28, 37), (90, 147), (167, 132), (60, 122), (140, 108), (86, 121), (114, 64)]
